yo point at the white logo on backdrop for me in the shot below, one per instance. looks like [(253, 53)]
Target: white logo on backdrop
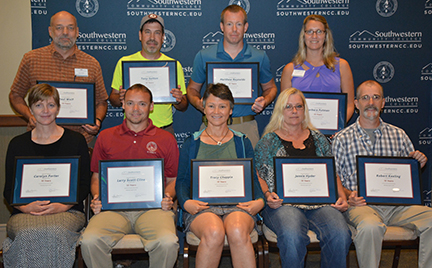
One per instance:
[(386, 8), (401, 105), (428, 7), (212, 38), (308, 7), (92, 41), (164, 8), (180, 137), (426, 72), (187, 71), (383, 71), (87, 8), (279, 73), (425, 136), (169, 41), (262, 41), (39, 7), (243, 3), (385, 40)]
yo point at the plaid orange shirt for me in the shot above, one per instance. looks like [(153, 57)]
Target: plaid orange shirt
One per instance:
[(47, 64)]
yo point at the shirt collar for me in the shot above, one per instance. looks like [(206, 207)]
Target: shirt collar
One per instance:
[(150, 130), (245, 52), (361, 130), (55, 53)]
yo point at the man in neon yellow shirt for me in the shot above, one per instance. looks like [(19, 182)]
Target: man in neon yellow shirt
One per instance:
[(152, 35)]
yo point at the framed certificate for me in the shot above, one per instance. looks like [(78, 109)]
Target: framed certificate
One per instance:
[(327, 111), (38, 178), (77, 102), (306, 180), (131, 184), (242, 78), (222, 182), (158, 76), (389, 180)]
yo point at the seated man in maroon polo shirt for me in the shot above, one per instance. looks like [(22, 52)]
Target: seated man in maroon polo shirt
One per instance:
[(135, 138)]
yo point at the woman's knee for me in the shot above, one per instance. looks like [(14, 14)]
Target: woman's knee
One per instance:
[(238, 234), (212, 236)]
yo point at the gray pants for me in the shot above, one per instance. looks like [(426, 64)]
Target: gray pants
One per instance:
[(156, 228), (372, 221)]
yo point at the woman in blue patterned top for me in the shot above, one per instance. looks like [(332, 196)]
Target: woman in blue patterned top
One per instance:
[(290, 133), (211, 223)]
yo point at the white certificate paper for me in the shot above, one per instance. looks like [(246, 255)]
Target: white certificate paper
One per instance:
[(221, 181), (238, 80), (324, 113), (155, 78), (131, 184), (305, 180), (45, 180), (388, 180), (73, 103)]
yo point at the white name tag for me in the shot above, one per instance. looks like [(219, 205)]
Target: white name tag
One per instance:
[(81, 72), (298, 73)]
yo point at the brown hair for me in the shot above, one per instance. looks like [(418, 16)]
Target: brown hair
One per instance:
[(43, 92), (234, 9), (140, 87), (219, 90)]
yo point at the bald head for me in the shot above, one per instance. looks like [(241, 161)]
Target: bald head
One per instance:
[(369, 83), (62, 15)]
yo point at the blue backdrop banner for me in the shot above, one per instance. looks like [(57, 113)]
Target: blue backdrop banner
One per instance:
[(388, 41)]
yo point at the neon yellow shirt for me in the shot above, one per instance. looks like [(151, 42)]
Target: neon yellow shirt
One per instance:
[(162, 113)]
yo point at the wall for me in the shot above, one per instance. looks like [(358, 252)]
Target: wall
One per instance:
[(15, 26)]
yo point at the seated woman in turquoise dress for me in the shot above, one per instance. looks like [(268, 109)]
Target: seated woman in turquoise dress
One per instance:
[(316, 66), (289, 133), (211, 223)]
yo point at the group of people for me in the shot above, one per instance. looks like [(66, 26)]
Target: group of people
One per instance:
[(44, 234)]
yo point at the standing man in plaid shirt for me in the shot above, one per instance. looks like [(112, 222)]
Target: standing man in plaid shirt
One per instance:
[(60, 61), (371, 136)]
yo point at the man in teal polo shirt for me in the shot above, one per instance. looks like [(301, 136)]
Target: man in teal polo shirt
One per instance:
[(233, 48), (151, 35)]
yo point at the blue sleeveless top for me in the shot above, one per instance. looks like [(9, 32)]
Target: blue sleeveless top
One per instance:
[(318, 79)]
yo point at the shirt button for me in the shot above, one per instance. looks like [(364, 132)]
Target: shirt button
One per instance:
[(134, 141), (135, 135)]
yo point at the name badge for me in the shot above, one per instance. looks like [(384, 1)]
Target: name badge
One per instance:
[(81, 72), (298, 73)]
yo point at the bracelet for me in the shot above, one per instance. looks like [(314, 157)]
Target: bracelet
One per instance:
[(266, 192), (100, 120)]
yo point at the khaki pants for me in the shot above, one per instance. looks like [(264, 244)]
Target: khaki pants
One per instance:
[(156, 228), (372, 221)]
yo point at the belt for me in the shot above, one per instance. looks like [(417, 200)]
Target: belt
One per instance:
[(241, 119)]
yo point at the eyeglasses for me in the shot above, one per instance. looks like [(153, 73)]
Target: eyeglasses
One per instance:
[(298, 107), (375, 97), (318, 32)]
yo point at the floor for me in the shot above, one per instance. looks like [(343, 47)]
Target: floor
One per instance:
[(408, 259)]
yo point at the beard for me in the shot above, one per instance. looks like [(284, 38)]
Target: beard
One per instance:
[(64, 45), (368, 110)]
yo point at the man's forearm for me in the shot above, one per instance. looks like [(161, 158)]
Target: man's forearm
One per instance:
[(101, 110), (182, 106), (114, 98), (19, 105)]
